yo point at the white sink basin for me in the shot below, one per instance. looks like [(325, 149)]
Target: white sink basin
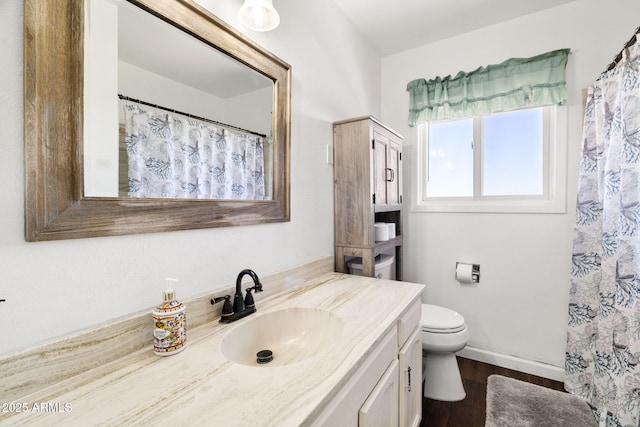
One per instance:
[(291, 334)]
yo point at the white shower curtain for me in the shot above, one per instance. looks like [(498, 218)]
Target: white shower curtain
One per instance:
[(171, 155), (603, 342)]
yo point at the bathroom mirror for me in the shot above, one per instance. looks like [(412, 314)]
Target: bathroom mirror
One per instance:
[(176, 118), (56, 205)]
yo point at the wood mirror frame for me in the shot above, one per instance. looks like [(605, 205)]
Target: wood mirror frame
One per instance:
[(55, 205)]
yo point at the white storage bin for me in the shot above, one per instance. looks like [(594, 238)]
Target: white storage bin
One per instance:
[(382, 270)]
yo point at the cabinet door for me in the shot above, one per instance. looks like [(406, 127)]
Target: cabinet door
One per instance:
[(381, 407), (394, 177), (380, 145), (387, 157), (410, 357)]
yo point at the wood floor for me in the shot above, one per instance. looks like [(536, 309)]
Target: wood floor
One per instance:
[(471, 411)]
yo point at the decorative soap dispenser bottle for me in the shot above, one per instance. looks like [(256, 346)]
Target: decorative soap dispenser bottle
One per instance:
[(169, 324)]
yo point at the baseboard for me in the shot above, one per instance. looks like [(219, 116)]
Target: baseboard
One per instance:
[(511, 362)]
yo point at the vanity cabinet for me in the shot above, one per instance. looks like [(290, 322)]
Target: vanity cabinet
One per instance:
[(367, 189), (386, 390)]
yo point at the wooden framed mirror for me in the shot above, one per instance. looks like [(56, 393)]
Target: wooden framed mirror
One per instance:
[(55, 203)]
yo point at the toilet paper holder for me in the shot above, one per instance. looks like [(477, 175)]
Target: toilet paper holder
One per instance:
[(467, 273)]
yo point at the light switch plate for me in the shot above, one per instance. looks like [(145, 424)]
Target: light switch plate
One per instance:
[(329, 154)]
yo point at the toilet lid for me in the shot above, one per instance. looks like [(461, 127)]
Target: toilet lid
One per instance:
[(439, 319)]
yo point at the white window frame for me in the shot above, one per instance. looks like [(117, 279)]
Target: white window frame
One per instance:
[(554, 195)]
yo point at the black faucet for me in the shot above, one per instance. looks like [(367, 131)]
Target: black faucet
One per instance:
[(242, 306)]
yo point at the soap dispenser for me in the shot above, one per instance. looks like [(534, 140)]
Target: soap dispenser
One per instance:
[(169, 324)]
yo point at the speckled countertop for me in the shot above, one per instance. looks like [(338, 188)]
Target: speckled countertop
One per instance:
[(200, 386)]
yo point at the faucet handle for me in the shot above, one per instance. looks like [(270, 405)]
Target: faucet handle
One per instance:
[(227, 308), (248, 299)]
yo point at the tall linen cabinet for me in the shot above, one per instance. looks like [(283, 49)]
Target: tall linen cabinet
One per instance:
[(367, 190)]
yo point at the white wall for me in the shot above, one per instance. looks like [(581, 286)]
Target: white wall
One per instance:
[(520, 306), (100, 106), (54, 288)]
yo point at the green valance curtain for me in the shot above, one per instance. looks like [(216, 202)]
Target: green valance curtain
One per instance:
[(513, 84)]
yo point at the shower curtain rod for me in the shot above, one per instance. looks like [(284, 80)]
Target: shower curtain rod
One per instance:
[(126, 98), (618, 57)]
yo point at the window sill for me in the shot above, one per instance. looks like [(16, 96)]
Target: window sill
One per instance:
[(491, 206)]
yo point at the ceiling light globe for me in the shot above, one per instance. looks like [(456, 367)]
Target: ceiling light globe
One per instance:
[(259, 15)]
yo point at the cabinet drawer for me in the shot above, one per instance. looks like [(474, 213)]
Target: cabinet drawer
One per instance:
[(409, 321)]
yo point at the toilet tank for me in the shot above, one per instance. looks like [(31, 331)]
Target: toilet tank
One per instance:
[(383, 269)]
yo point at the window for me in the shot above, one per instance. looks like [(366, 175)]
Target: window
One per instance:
[(503, 162)]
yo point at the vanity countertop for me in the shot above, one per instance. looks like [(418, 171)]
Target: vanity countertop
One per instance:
[(199, 386)]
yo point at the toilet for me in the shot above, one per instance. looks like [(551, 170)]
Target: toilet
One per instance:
[(444, 332)]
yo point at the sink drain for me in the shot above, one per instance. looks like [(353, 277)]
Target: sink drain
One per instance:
[(264, 356)]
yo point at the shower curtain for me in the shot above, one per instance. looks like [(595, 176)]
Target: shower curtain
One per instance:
[(171, 155), (603, 341)]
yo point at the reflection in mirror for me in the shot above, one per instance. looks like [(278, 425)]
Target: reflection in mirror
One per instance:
[(57, 88), (188, 121)]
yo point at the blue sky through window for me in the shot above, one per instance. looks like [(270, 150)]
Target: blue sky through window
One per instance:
[(512, 155), (450, 159)]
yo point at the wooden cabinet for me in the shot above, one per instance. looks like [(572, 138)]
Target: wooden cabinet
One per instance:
[(367, 189), (386, 389)]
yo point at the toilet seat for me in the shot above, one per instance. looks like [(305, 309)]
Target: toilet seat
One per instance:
[(440, 320)]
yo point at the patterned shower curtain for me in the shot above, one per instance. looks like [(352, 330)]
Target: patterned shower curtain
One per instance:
[(171, 155), (603, 342)]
